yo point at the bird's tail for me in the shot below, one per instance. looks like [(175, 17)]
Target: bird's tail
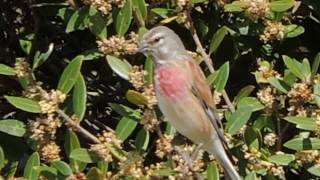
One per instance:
[(217, 149)]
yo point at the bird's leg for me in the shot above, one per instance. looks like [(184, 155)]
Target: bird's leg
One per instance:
[(195, 152)]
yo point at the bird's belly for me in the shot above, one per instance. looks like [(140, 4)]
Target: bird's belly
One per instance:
[(187, 121)]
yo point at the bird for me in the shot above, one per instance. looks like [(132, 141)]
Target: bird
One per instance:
[(183, 94)]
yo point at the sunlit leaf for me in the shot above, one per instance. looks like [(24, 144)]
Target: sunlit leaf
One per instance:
[(217, 39), (222, 77), (281, 5), (125, 127), (83, 155), (7, 70), (62, 167), (119, 67), (303, 144), (30, 171), (142, 139), (282, 159), (238, 119), (79, 98), (70, 75), (305, 123), (123, 20), (24, 104), (13, 127)]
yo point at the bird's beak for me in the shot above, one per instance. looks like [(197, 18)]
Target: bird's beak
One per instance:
[(143, 47)]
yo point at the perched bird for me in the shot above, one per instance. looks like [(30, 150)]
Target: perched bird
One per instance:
[(183, 94)]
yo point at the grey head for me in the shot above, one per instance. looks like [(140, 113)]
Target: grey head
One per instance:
[(163, 44)]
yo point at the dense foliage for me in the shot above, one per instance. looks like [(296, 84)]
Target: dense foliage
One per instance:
[(77, 100)]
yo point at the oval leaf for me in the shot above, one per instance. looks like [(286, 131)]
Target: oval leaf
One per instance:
[(281, 5), (62, 167), (213, 171), (222, 77), (24, 104), (282, 159), (83, 155), (13, 127), (142, 140), (124, 18), (302, 122), (278, 84), (253, 103), (30, 171), (70, 75), (119, 67), (7, 70), (315, 170), (136, 97), (238, 119), (217, 39), (79, 98), (125, 127), (303, 144)]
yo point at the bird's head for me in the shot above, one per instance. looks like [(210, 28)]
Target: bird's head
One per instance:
[(161, 43)]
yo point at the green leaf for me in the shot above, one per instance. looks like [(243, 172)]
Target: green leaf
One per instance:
[(316, 92), (71, 143), (222, 77), (124, 17), (282, 159), (119, 67), (163, 12), (238, 119), (79, 98), (70, 75), (315, 64), (251, 176), (281, 5), (141, 9), (293, 30), (278, 84), (83, 155), (95, 174), (235, 6), (302, 122), (62, 167), (294, 66), (306, 70), (7, 70), (136, 97), (30, 171), (244, 92), (126, 111), (13, 127), (78, 20), (251, 138), (217, 39), (315, 170), (97, 23), (3, 160), (303, 144), (212, 171), (125, 127), (40, 58), (91, 54), (25, 45), (148, 66), (250, 102), (170, 130), (142, 140), (212, 77), (24, 104), (103, 166)]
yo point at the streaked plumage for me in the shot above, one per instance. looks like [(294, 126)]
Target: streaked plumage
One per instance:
[(183, 94)]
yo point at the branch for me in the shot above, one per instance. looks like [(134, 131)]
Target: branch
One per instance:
[(206, 57), (76, 126)]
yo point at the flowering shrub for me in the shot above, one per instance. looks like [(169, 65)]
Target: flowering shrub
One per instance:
[(78, 100)]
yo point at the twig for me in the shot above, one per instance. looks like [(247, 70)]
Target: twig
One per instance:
[(76, 126), (206, 57)]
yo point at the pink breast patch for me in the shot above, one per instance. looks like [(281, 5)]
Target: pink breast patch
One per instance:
[(171, 82)]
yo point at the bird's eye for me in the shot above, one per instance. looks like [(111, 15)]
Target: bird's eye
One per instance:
[(156, 40)]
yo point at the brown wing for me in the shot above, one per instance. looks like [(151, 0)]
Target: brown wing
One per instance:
[(202, 91)]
